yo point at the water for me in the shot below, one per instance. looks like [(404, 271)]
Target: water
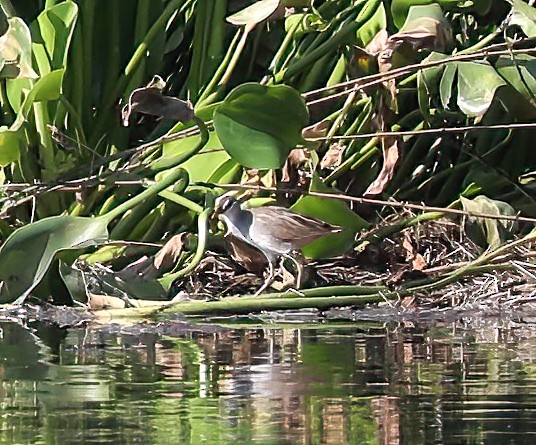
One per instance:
[(452, 382)]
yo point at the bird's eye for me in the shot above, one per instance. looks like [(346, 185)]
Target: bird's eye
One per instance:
[(226, 203)]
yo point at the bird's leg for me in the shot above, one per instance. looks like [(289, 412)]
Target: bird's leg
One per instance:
[(269, 279), (299, 270)]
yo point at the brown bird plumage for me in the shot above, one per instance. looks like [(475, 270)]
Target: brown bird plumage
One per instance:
[(275, 231)]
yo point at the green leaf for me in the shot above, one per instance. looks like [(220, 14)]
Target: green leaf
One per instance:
[(524, 16), (28, 253), (9, 146), (203, 165), (372, 26), (259, 125), (46, 88), (447, 83), (519, 72), (56, 25), (477, 84), (255, 13), (332, 211), (16, 51), (428, 80), (486, 231), (400, 8)]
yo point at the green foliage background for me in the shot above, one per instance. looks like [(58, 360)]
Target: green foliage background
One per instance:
[(71, 65)]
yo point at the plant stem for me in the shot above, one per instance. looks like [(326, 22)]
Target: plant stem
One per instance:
[(137, 57)]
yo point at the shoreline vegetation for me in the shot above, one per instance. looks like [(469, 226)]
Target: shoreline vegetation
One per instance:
[(411, 126)]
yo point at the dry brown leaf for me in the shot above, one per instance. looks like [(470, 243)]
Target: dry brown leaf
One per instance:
[(428, 34), (333, 156), (317, 130), (416, 260), (290, 171), (391, 154), (99, 302), (247, 256), (150, 268), (390, 150)]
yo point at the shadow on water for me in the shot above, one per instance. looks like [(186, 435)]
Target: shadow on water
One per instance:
[(315, 383)]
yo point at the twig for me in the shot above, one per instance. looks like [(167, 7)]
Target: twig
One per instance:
[(371, 201), (443, 130)]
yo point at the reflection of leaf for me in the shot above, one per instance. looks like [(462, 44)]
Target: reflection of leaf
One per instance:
[(524, 16), (485, 230), (259, 125)]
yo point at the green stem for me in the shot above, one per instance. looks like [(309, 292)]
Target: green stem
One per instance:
[(182, 201), (8, 8), (202, 224), (166, 163), (202, 102), (132, 65), (236, 56), (245, 305), (332, 44), (168, 181)]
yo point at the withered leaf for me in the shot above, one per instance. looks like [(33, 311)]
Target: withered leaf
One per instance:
[(150, 100), (333, 156), (150, 268)]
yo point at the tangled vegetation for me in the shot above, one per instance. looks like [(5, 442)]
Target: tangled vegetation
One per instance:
[(122, 124)]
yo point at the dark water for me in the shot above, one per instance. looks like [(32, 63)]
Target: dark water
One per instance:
[(450, 382)]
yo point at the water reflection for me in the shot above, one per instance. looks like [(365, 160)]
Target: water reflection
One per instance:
[(177, 383)]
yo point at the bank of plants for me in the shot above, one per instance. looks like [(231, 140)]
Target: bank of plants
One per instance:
[(124, 121)]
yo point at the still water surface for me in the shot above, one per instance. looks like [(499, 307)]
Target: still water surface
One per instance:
[(328, 383)]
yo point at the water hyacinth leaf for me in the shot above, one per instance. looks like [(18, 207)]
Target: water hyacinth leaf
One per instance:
[(48, 87), (400, 8), (520, 73), (56, 25), (477, 84), (446, 84), (255, 13), (202, 166), (428, 83), (425, 28), (486, 231), (524, 16), (21, 272), (259, 125), (9, 146), (304, 23), (334, 212), (16, 51), (370, 28)]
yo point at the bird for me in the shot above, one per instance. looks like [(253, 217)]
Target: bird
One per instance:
[(275, 231)]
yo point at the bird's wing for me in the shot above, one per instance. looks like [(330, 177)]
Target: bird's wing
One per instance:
[(292, 227)]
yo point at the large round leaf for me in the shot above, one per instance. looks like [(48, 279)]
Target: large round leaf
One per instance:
[(334, 212), (259, 125)]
